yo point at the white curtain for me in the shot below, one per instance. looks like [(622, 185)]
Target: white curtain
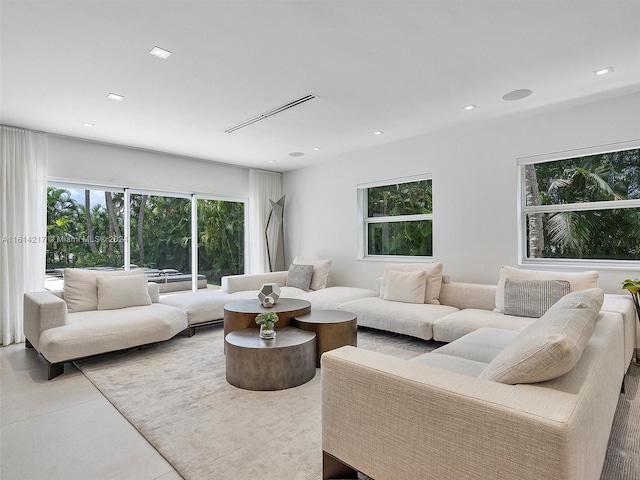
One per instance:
[(263, 186), (23, 224)]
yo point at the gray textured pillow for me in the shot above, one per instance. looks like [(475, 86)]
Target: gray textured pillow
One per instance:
[(299, 276), (532, 298), (550, 346)]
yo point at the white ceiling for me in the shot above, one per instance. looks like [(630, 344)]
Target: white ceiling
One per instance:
[(403, 67)]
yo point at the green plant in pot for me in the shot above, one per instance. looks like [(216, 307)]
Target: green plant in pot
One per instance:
[(267, 321), (633, 286)]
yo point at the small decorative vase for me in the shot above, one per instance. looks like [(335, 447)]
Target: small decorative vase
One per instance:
[(267, 331)]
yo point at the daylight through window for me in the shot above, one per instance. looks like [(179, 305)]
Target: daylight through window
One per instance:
[(398, 218), (582, 208)]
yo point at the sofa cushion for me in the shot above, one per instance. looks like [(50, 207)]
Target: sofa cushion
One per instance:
[(550, 346), (413, 319), (434, 278), (81, 288), (578, 280), (99, 331), (465, 366), (122, 292), (299, 276), (200, 307), (320, 271), (482, 345), (460, 323), (329, 298), (407, 287), (532, 298)]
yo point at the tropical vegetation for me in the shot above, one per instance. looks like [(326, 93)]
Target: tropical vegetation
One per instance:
[(86, 234), (579, 207)]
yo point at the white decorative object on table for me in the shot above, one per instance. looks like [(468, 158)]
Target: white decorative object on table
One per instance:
[(269, 294)]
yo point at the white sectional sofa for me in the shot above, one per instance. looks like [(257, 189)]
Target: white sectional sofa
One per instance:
[(454, 308), (494, 403), (97, 312)]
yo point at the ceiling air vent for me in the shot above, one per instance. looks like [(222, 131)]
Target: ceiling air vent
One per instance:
[(271, 112)]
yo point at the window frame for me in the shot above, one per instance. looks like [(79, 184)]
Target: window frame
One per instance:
[(364, 221), (524, 210), (192, 197)]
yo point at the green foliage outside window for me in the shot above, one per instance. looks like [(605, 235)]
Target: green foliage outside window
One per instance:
[(607, 231), (82, 234), (400, 236)]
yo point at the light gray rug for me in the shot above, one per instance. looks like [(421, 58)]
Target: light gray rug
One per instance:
[(175, 393)]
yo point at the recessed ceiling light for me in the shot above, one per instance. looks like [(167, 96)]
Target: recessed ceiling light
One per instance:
[(317, 148), (516, 95), (272, 161), (470, 107), (296, 154), (378, 132), (160, 52), (115, 96), (89, 125), (603, 71)]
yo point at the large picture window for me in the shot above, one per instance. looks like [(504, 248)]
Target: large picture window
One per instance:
[(86, 229), (582, 208), (398, 218)]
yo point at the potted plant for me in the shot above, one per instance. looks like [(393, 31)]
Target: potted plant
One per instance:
[(267, 320), (633, 286)]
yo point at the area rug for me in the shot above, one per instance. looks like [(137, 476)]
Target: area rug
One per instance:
[(176, 395)]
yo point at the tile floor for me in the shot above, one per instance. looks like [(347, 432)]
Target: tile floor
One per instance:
[(64, 429)]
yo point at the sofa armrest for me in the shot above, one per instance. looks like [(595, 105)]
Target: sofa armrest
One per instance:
[(42, 311), (392, 418), (154, 292), (468, 295), (253, 281)]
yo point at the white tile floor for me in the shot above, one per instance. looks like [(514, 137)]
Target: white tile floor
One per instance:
[(64, 429)]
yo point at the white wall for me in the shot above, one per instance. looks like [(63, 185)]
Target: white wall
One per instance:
[(475, 179), (90, 162)]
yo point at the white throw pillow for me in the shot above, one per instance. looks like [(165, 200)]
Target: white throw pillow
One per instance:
[(122, 292), (320, 271), (433, 282), (577, 280), (407, 287), (81, 289), (550, 346)]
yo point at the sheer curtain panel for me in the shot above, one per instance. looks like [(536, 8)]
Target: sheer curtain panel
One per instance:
[(263, 186), (23, 224)]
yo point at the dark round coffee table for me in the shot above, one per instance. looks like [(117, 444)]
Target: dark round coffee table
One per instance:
[(333, 329), (242, 314), (286, 361)]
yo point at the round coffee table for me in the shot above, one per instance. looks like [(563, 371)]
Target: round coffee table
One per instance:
[(242, 314), (286, 361), (333, 329)]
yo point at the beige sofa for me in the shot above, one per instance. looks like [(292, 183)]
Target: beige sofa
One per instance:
[(454, 308), (97, 312), (443, 416)]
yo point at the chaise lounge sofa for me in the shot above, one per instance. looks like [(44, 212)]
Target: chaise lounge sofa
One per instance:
[(97, 312)]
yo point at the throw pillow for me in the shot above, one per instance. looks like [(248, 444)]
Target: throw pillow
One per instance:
[(532, 298), (433, 283), (320, 271), (122, 292), (81, 290), (550, 346), (407, 287), (299, 276), (577, 280)]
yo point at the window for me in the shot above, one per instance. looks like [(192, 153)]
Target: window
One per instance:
[(398, 218), (86, 228), (584, 208)]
